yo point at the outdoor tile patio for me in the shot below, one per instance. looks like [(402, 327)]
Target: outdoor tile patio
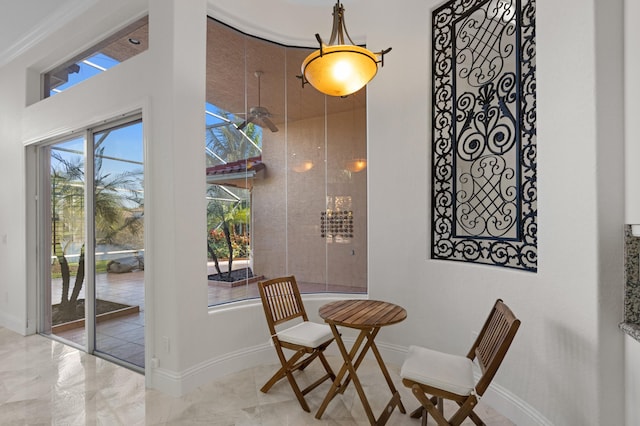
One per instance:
[(123, 337)]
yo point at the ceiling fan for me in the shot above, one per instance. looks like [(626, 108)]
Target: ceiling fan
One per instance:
[(258, 114)]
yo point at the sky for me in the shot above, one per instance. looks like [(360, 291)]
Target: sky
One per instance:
[(123, 147)]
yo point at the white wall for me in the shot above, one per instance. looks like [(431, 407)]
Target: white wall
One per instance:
[(12, 213), (565, 366), (632, 109), (632, 387), (569, 340), (632, 190)]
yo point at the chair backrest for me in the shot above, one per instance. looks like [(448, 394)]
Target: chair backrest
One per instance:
[(281, 301), (493, 342)]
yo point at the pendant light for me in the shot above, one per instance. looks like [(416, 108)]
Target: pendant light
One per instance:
[(339, 69)]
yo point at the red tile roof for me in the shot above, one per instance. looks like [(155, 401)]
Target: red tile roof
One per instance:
[(253, 164)]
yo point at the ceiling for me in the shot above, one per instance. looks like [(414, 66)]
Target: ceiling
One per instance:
[(232, 64), (232, 61), (25, 23)]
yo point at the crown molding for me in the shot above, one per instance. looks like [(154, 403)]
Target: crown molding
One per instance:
[(45, 28)]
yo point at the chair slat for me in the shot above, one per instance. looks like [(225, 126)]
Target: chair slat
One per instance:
[(282, 298)]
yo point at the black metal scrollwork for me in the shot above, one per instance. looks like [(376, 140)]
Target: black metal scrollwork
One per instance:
[(484, 133)]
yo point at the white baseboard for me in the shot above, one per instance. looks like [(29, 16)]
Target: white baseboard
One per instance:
[(165, 381), (177, 384), (13, 323), (513, 408)]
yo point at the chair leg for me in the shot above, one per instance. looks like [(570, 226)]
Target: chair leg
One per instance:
[(429, 406), (287, 366), (475, 418), (308, 360), (420, 413), (294, 364), (273, 380), (438, 402), (417, 413), (327, 367), (282, 372), (298, 392), (464, 411), (317, 352)]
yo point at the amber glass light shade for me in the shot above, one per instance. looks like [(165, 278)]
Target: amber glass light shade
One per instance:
[(340, 70)]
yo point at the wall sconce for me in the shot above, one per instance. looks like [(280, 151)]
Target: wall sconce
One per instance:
[(356, 165), (340, 69)]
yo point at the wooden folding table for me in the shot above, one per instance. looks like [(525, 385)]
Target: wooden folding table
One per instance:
[(368, 316)]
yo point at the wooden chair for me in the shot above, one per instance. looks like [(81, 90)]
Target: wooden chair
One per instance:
[(446, 376), (283, 307)]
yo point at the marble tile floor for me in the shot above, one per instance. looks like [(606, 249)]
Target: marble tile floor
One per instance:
[(46, 382)]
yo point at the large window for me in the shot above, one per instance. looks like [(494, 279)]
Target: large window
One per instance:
[(286, 173), (118, 48)]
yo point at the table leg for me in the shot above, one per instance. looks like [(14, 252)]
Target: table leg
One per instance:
[(336, 386), (371, 334), (351, 367), (385, 372)]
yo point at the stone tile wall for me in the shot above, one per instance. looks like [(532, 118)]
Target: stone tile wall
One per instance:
[(631, 324)]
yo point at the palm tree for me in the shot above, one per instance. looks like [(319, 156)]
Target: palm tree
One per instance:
[(116, 196), (215, 218), (228, 218), (67, 201), (226, 143)]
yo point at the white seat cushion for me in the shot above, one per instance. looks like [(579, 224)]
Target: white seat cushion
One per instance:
[(306, 333), (448, 372)]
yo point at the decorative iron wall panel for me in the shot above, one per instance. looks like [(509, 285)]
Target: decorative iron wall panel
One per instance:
[(484, 133)]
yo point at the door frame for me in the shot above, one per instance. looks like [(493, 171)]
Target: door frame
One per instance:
[(38, 156)]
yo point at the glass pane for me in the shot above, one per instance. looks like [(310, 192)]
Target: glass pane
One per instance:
[(305, 192), (67, 205), (119, 237), (233, 147), (346, 224), (326, 194), (292, 161), (118, 48), (265, 76)]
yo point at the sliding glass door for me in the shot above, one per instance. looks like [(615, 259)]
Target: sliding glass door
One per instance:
[(92, 241), (65, 235), (118, 202)]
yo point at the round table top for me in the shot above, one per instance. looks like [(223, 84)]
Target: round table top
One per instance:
[(362, 313)]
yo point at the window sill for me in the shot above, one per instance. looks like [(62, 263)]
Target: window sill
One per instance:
[(630, 329)]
